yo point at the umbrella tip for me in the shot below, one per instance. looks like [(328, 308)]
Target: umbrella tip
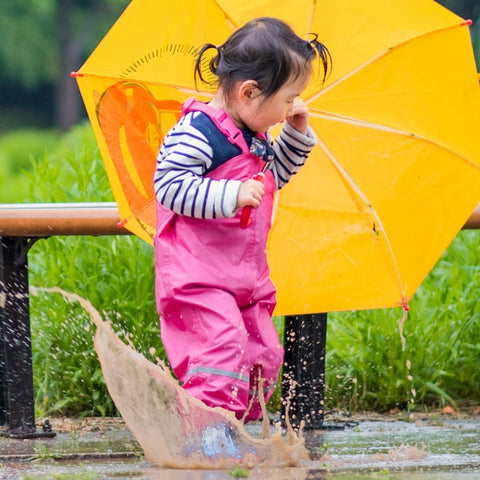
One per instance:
[(469, 21), (76, 74), (121, 223), (405, 304)]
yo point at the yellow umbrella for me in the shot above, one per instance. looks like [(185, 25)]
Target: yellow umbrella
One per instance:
[(396, 172)]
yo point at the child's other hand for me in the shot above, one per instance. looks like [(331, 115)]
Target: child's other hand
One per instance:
[(250, 193), (297, 116)]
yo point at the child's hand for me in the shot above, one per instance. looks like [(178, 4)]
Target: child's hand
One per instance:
[(297, 117), (250, 193)]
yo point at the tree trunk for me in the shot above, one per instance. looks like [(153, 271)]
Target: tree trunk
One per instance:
[(68, 108)]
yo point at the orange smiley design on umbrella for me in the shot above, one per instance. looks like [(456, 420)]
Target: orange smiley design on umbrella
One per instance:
[(130, 119), (395, 174)]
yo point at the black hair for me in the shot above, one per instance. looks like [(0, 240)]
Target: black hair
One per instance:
[(265, 50)]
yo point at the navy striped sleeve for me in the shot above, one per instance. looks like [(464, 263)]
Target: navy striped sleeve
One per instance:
[(291, 152), (180, 184)]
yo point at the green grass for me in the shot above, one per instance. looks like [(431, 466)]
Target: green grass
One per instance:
[(18, 149), (115, 273), (87, 475), (366, 366)]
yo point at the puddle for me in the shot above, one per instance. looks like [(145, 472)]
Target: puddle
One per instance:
[(449, 445), (388, 450)]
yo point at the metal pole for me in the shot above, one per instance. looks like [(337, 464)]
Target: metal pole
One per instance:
[(16, 366), (17, 408), (303, 382)]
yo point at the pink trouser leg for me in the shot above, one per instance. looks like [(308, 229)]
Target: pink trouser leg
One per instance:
[(265, 353), (212, 345)]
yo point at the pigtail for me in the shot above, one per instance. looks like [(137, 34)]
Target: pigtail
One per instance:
[(204, 72), (322, 53), (265, 50)]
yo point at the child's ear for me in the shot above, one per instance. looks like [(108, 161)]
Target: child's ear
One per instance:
[(248, 90)]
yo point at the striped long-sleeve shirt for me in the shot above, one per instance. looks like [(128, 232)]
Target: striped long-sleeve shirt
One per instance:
[(195, 147)]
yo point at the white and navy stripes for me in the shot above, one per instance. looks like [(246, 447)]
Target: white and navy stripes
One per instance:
[(195, 146)]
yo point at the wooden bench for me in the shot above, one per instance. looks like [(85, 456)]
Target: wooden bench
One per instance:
[(21, 225)]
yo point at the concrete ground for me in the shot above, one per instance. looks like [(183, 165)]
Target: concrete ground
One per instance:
[(437, 446)]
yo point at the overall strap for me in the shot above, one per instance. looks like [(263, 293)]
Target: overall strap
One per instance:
[(221, 120)]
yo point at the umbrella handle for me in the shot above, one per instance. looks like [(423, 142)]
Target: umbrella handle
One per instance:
[(247, 210), (245, 216)]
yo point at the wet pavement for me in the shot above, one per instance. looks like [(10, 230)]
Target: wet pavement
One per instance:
[(396, 447)]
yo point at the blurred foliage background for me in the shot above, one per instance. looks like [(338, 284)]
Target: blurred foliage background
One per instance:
[(42, 42)]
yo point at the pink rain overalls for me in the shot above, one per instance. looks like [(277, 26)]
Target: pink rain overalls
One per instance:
[(214, 294)]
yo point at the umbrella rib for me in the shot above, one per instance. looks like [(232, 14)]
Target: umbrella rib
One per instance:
[(323, 91), (310, 20), (341, 170), (464, 24), (334, 117), (228, 18), (191, 91)]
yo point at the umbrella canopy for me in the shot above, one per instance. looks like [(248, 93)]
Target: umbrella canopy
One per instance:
[(396, 172)]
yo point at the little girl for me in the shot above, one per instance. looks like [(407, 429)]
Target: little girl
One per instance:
[(214, 294)]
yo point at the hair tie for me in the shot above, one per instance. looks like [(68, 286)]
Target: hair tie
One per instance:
[(219, 49), (312, 41), (215, 61), (322, 52)]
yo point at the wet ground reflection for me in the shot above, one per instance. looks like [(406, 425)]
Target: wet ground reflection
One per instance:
[(427, 448)]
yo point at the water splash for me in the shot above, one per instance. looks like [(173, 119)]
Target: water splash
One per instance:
[(173, 428)]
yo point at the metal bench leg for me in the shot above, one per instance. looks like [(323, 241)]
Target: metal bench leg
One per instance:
[(16, 376), (303, 382)]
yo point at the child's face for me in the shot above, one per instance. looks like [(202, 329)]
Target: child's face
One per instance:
[(260, 114)]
